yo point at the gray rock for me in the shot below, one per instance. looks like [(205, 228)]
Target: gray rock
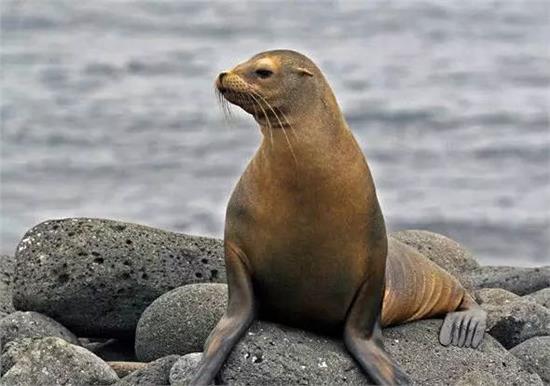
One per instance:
[(32, 325), (184, 369), (541, 297), (272, 354), (7, 264), (97, 276), (443, 251), (53, 361), (495, 296), (179, 321), (11, 351), (515, 322), (535, 354), (155, 373), (519, 280)]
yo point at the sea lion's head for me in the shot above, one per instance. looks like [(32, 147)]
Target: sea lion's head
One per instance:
[(273, 84)]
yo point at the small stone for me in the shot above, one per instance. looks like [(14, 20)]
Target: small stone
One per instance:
[(53, 361), (445, 252), (155, 373), (535, 354), (519, 280), (541, 297), (32, 325), (184, 369), (495, 296), (515, 322), (123, 368), (179, 321), (97, 276)]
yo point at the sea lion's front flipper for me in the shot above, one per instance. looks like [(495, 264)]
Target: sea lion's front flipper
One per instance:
[(465, 327), (362, 336), (240, 312)]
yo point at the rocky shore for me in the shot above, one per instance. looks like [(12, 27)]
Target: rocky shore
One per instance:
[(92, 301)]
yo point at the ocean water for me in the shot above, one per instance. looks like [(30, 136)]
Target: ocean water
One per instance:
[(108, 110)]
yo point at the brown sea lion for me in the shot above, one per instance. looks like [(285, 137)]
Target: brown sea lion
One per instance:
[(305, 240)]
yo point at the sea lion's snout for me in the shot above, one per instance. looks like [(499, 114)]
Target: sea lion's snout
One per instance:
[(219, 82)]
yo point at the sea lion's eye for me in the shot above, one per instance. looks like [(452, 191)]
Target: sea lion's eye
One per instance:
[(263, 73)]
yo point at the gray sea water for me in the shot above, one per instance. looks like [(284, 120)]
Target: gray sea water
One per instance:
[(108, 110)]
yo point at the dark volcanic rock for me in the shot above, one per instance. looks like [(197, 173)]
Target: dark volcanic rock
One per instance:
[(179, 321), (53, 361), (97, 276), (541, 297), (155, 373), (519, 280), (443, 251), (272, 354), (515, 322), (20, 325), (535, 354), (7, 264), (184, 369)]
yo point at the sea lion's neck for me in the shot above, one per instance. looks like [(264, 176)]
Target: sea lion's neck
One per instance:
[(304, 131), (311, 143)]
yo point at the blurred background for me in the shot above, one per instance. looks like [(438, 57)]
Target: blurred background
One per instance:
[(108, 110)]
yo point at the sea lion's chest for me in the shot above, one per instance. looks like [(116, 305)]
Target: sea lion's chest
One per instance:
[(307, 248)]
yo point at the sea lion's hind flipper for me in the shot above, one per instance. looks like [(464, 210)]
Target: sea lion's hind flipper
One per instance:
[(362, 336), (465, 327)]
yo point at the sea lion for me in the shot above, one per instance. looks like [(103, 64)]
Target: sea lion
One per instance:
[(305, 239)]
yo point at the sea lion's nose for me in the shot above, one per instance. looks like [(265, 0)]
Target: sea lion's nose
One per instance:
[(219, 83)]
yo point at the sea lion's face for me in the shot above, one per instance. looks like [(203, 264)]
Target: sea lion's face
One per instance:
[(271, 85)]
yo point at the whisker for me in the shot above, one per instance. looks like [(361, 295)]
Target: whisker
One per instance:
[(292, 131), (270, 128), (281, 124), (254, 102), (225, 107)]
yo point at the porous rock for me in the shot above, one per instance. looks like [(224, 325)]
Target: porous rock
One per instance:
[(535, 354), (7, 264), (273, 354), (515, 322), (179, 321), (97, 276), (53, 361), (443, 251), (495, 296), (30, 324), (541, 297), (11, 352), (184, 369), (155, 373), (519, 280)]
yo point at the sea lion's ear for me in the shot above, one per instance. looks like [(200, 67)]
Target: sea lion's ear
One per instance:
[(304, 71)]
